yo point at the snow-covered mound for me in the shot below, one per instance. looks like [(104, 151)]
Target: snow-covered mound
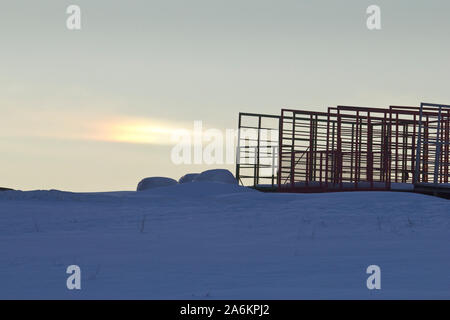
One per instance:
[(188, 177), (217, 175), (155, 182)]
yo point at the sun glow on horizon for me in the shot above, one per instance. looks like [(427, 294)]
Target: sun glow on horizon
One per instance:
[(140, 131), (63, 125)]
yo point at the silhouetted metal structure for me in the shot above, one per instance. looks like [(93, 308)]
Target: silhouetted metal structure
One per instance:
[(257, 152), (346, 148)]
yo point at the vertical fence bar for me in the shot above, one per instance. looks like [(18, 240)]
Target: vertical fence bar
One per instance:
[(396, 147), (238, 149), (425, 149), (438, 148), (292, 169), (257, 151), (352, 151), (446, 143), (419, 147), (369, 172), (357, 149), (327, 148), (280, 149), (293, 151), (339, 150), (320, 171), (273, 164)]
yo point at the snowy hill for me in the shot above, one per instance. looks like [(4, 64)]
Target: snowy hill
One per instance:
[(205, 240)]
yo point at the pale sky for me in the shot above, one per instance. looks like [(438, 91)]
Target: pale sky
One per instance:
[(91, 110)]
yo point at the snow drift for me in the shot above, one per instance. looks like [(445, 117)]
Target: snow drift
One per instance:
[(217, 175), (155, 182), (188, 177)]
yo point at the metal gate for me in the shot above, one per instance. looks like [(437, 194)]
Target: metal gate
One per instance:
[(432, 154), (346, 148), (257, 150)]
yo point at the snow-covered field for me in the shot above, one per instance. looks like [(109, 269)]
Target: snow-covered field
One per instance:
[(206, 240)]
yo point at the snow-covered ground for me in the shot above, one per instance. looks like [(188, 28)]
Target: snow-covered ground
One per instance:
[(206, 240)]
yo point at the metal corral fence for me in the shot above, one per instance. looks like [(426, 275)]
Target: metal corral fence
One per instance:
[(346, 148)]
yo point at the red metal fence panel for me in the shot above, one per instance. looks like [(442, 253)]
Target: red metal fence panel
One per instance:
[(361, 148)]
